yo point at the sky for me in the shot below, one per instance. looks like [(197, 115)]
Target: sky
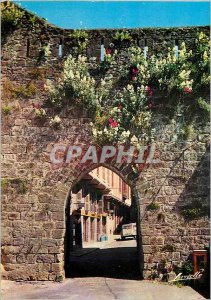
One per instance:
[(126, 14)]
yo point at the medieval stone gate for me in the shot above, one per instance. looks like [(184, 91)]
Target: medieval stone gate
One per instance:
[(35, 192)]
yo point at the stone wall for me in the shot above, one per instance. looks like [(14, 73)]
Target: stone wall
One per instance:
[(35, 193)]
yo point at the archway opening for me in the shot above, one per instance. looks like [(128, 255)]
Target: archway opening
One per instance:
[(102, 227)]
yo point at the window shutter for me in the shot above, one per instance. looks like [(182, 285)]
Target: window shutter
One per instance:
[(79, 196), (100, 206), (87, 203)]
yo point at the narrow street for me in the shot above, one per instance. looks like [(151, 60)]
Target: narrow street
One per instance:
[(116, 259)]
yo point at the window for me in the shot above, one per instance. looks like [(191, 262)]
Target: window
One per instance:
[(120, 185), (60, 48), (100, 206), (104, 173), (27, 48), (145, 48), (108, 176), (176, 48), (87, 203), (145, 51), (102, 50)]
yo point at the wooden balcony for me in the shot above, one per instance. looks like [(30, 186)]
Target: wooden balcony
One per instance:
[(97, 183)]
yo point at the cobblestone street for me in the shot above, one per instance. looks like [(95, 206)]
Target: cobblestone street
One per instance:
[(107, 273)]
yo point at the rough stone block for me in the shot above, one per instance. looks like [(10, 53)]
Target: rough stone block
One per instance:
[(41, 216), (18, 241), (58, 216), (58, 233), (176, 256), (49, 242), (14, 216), (45, 258), (56, 268), (54, 250)]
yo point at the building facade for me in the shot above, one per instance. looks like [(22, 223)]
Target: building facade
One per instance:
[(100, 204)]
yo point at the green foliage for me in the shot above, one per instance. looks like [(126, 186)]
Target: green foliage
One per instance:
[(203, 105), (7, 110), (186, 268), (40, 114), (25, 91), (11, 91), (123, 107), (153, 206), (204, 108), (168, 248), (161, 265), (77, 86), (10, 16), (153, 275), (161, 217), (4, 185), (80, 39), (193, 211), (109, 60), (79, 34), (122, 36), (32, 20), (38, 73), (59, 278), (44, 52), (188, 130), (179, 284), (18, 183), (8, 91)]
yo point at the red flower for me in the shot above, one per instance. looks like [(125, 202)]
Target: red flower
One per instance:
[(113, 123), (133, 78), (187, 90), (151, 105), (135, 71), (149, 91), (108, 51), (36, 105)]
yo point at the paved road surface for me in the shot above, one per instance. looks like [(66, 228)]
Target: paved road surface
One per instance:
[(108, 273), (117, 259)]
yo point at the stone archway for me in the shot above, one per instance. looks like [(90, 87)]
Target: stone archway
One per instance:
[(35, 192), (132, 183), (119, 170)]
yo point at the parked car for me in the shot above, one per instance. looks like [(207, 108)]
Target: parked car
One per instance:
[(128, 230)]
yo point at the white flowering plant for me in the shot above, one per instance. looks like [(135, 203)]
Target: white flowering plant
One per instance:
[(127, 120), (75, 85), (55, 121), (40, 113), (123, 113)]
